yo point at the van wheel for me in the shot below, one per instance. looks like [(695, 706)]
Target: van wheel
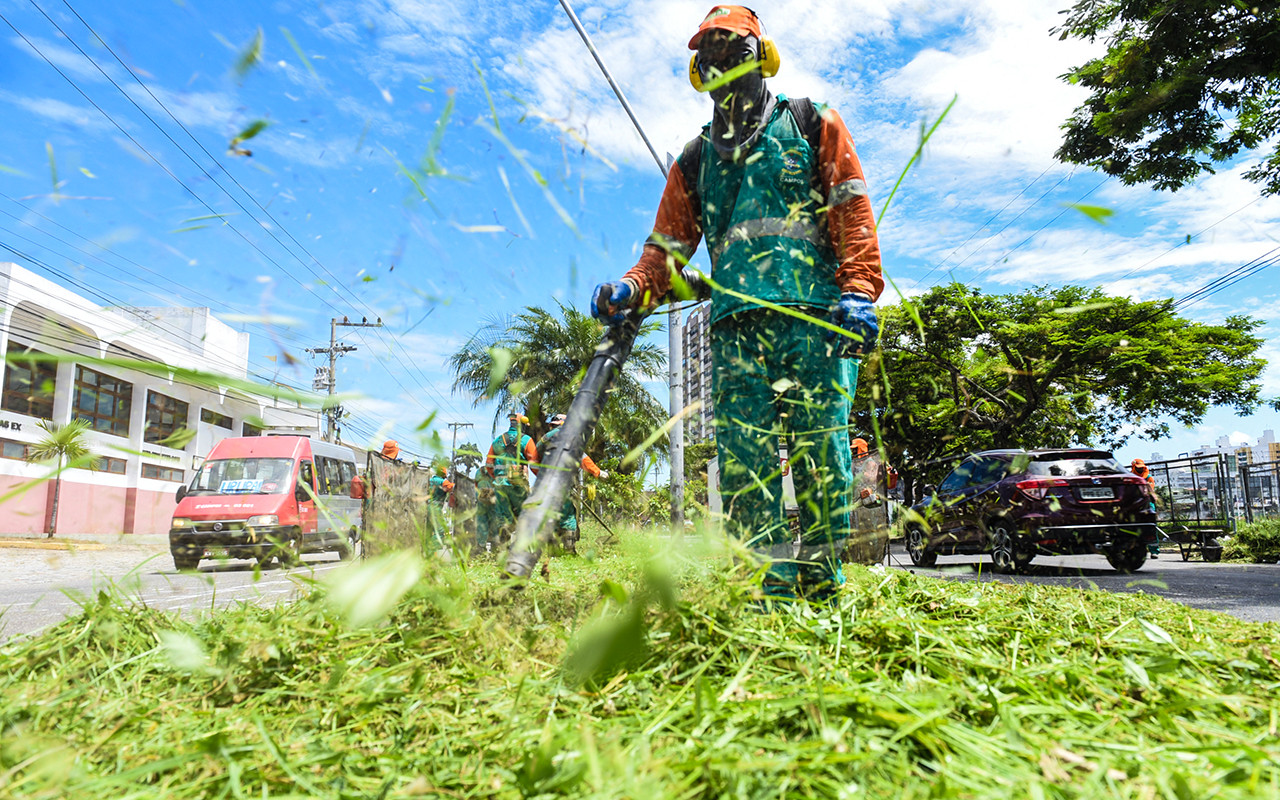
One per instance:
[(184, 562), (289, 551), (918, 549), (353, 547)]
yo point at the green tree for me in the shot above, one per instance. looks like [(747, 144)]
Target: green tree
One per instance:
[(1048, 367), (1184, 85), (61, 443), (534, 363)]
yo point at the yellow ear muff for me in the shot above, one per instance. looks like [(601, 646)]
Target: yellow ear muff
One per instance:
[(695, 77), (769, 58)]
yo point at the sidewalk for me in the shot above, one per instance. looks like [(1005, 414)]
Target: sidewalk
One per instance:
[(85, 541)]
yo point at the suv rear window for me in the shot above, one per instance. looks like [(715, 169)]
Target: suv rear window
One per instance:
[(1075, 465)]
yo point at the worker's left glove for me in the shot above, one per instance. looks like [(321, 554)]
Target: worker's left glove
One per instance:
[(603, 474), (856, 314)]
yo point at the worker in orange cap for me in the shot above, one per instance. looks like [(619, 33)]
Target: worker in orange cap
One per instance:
[(775, 187), (510, 457), (1139, 467)]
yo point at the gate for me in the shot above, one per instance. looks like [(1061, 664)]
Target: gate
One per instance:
[(1260, 490)]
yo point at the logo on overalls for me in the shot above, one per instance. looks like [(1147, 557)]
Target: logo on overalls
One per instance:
[(793, 171)]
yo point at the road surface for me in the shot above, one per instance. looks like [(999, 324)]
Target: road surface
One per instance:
[(41, 587), (1247, 591)]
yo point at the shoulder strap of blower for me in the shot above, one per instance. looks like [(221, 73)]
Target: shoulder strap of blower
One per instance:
[(802, 109)]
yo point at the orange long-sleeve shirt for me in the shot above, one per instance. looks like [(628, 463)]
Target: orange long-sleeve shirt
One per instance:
[(850, 221)]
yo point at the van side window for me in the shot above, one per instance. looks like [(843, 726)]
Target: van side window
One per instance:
[(332, 476), (348, 472)]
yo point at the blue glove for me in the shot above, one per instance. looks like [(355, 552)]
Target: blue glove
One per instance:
[(610, 301), (856, 314)]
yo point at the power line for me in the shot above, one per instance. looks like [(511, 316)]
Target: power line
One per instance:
[(990, 219), (138, 144), (334, 285)]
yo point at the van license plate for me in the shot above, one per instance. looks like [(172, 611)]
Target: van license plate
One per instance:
[(216, 552), (1097, 493)]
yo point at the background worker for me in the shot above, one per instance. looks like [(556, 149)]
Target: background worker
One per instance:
[(1139, 467), (508, 463), (567, 527), (775, 187)]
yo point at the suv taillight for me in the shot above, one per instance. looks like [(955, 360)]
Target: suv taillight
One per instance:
[(1037, 489)]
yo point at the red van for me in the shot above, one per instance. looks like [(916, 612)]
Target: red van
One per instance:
[(265, 497)]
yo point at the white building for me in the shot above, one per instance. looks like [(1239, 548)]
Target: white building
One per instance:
[(697, 373), (132, 409)]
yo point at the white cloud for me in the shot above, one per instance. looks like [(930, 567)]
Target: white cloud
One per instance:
[(80, 117)]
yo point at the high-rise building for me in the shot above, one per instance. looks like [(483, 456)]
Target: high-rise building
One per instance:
[(697, 373)]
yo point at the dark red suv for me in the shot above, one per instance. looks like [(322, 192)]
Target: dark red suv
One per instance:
[(1016, 504)]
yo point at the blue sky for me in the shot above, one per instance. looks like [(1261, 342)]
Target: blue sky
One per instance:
[(537, 187)]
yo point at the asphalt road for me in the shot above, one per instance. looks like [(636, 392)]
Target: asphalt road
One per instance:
[(41, 587), (1247, 591)]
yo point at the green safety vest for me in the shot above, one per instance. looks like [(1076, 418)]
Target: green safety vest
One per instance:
[(761, 222)]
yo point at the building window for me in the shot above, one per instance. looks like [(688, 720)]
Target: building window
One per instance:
[(113, 465), (250, 430), (28, 385), (165, 417), (214, 418), (102, 401), (162, 473), (18, 451)]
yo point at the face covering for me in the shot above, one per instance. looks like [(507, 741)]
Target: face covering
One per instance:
[(742, 106)]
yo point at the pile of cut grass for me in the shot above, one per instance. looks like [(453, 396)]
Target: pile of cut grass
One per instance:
[(639, 673)]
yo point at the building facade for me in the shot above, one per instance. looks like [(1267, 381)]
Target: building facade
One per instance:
[(146, 380), (697, 374)]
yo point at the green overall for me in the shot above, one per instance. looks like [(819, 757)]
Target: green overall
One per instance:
[(567, 527), (774, 375), (511, 483), (486, 509)]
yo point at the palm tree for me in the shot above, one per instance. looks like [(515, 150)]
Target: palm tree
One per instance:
[(61, 443), (534, 362)]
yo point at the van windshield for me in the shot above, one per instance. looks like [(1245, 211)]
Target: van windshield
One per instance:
[(244, 476)]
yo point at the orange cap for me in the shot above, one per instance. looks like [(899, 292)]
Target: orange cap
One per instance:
[(390, 449), (1138, 463), (860, 446), (736, 19)]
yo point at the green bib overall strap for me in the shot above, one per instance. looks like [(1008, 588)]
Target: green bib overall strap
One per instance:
[(764, 222)]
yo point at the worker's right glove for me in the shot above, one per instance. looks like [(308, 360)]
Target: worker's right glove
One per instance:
[(603, 474), (856, 314), (610, 301)]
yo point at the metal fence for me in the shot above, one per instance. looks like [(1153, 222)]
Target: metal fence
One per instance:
[(1260, 490), (1197, 491)]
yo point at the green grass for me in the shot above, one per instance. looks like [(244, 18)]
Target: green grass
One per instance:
[(644, 671)]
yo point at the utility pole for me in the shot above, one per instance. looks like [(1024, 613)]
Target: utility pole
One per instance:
[(453, 454), (327, 379)]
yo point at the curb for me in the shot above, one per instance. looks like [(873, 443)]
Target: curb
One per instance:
[(86, 542)]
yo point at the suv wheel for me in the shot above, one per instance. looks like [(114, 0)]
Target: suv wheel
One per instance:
[(1127, 559), (918, 548), (1006, 558)]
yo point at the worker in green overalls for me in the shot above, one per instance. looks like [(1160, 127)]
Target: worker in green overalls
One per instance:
[(775, 187), (510, 458)]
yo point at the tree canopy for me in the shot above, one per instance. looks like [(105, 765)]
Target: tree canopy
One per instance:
[(534, 363), (958, 371), (1184, 85)]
